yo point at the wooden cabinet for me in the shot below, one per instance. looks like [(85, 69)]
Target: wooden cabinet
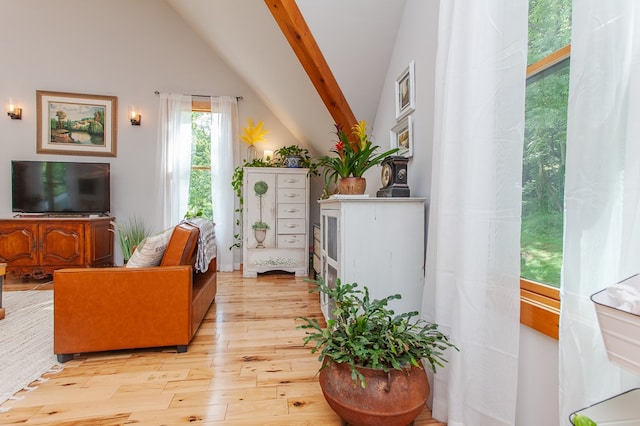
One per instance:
[(377, 243), (279, 198), (38, 246)]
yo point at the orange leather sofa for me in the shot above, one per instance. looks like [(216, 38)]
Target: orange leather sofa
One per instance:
[(103, 309)]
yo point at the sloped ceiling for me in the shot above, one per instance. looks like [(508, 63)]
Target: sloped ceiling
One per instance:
[(355, 36)]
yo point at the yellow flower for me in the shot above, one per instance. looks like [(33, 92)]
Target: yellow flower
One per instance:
[(252, 134), (360, 130)]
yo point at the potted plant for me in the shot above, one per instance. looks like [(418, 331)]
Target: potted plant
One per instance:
[(130, 235), (293, 156), (354, 157), (372, 360)]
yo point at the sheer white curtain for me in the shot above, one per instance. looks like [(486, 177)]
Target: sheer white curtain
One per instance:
[(223, 153), (602, 192), (173, 162), (473, 262)]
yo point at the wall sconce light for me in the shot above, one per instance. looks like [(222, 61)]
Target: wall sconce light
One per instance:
[(134, 116), (14, 113), (267, 155)]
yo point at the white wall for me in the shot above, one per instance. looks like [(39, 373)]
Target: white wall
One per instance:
[(538, 379), (122, 48), (417, 41)]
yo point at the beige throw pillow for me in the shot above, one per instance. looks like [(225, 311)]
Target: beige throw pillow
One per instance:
[(150, 250)]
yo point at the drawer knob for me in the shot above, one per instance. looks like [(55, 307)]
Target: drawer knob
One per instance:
[(292, 195), (292, 211), (291, 226)]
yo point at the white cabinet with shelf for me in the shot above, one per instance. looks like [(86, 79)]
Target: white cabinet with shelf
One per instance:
[(377, 243), (284, 208)]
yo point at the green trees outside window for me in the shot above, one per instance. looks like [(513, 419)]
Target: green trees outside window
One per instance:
[(200, 204), (545, 141)]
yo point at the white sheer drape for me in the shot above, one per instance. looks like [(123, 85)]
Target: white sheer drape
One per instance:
[(222, 166), (602, 192), (173, 163), (473, 262)]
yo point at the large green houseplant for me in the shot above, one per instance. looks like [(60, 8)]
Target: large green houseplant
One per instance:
[(366, 340), (367, 333)]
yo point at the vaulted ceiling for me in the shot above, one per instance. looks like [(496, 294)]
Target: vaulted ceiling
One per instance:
[(356, 38)]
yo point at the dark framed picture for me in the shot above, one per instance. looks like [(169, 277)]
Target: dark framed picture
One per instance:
[(405, 91), (402, 137), (76, 124)]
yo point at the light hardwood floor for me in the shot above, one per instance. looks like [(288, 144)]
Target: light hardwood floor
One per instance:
[(245, 366)]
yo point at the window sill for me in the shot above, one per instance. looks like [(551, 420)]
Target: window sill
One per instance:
[(540, 307)]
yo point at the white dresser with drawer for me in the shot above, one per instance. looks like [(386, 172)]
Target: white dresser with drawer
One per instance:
[(277, 197)]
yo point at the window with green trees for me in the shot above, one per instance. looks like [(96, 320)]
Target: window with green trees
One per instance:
[(545, 140), (202, 125)]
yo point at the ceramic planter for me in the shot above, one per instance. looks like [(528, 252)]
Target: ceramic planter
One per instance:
[(395, 398)]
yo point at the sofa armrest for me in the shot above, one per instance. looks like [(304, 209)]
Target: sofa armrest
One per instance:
[(98, 309)]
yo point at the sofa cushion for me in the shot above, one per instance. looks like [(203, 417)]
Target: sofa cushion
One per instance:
[(150, 250)]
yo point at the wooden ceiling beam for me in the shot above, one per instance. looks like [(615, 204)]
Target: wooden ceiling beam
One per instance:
[(297, 33)]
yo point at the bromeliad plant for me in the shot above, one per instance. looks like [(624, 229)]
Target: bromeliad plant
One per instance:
[(355, 156), (366, 333)]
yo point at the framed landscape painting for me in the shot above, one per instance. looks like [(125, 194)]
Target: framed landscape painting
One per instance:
[(76, 124)]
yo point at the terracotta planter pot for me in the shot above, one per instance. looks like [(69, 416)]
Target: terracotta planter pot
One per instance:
[(389, 399), (352, 185)]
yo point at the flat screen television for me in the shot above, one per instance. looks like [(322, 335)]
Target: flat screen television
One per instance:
[(57, 187)]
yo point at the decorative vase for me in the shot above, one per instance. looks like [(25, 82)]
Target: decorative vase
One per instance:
[(260, 234), (251, 153), (352, 185), (395, 398)]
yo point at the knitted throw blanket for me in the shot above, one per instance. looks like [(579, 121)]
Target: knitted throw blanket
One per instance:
[(206, 242)]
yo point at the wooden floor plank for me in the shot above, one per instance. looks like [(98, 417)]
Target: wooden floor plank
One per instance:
[(245, 366)]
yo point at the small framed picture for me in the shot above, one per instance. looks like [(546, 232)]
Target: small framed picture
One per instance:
[(76, 124), (406, 91), (402, 137)]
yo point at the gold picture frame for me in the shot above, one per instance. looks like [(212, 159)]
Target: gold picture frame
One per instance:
[(76, 124)]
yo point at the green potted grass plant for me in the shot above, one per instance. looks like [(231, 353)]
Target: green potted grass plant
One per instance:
[(130, 234)]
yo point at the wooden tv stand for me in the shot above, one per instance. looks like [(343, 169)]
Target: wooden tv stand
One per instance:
[(35, 246)]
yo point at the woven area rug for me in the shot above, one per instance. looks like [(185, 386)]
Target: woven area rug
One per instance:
[(26, 340)]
